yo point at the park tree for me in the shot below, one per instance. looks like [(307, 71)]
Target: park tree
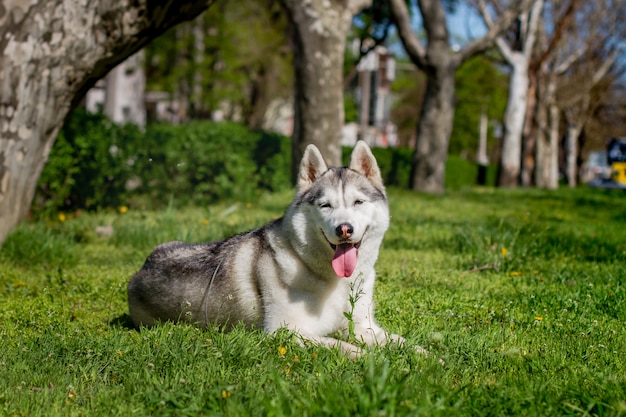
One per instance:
[(318, 31), (439, 61), (51, 53), (516, 46)]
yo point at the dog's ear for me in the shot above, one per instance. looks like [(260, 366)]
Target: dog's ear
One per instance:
[(311, 167), (362, 160)]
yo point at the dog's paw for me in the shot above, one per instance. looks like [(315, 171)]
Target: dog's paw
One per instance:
[(421, 350), (395, 338)]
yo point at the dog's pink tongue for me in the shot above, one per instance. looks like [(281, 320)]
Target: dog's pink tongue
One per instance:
[(344, 260)]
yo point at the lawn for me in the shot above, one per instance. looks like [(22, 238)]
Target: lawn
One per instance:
[(520, 293)]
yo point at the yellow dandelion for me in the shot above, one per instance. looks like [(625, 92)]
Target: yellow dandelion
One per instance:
[(62, 217), (120, 353), (205, 222), (515, 274), (504, 251), (225, 394), (123, 209), (539, 318), (282, 350)]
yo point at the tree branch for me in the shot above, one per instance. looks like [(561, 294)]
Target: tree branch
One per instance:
[(558, 33), (570, 60), (533, 23), (411, 43), (495, 29), (600, 73)]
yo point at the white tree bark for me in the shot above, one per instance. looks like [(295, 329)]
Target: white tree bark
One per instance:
[(51, 53), (511, 154), (519, 61), (552, 182)]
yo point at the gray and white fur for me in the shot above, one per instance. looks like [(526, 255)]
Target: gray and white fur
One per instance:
[(296, 272)]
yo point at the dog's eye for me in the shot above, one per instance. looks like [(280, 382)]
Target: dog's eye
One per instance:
[(325, 205), (358, 202)]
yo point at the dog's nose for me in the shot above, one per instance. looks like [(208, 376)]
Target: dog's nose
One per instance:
[(344, 230)]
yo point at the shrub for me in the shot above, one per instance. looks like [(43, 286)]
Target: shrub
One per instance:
[(205, 161), (87, 166), (96, 163)]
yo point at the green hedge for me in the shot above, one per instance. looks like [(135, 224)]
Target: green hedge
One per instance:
[(96, 164), (204, 161), (87, 166)]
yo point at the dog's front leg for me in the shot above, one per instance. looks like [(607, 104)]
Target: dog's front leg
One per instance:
[(369, 332), (348, 349)]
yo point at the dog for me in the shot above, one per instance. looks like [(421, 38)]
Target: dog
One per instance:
[(311, 271)]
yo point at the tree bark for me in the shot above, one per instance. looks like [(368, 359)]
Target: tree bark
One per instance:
[(529, 134), (435, 127), (571, 153), (510, 157), (541, 146), (553, 158), (518, 58), (318, 32), (51, 53)]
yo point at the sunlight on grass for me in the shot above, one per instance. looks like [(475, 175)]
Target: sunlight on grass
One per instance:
[(520, 293)]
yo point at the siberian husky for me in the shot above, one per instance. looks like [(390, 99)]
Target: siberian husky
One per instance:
[(302, 271)]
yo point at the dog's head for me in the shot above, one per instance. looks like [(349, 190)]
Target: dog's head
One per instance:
[(345, 207)]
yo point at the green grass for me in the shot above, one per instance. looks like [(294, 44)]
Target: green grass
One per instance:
[(521, 293)]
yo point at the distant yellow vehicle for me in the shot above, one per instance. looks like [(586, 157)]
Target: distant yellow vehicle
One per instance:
[(616, 155), (618, 172)]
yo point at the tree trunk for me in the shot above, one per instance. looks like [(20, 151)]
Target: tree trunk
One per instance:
[(51, 53), (541, 139), (318, 31), (529, 134), (553, 159), (547, 133), (571, 153), (517, 54), (510, 157), (434, 128)]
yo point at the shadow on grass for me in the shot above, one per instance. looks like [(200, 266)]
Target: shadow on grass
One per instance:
[(124, 321)]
